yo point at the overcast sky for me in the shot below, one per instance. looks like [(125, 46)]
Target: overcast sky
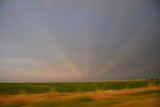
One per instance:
[(79, 40)]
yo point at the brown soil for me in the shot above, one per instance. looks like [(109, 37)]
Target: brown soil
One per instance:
[(97, 95)]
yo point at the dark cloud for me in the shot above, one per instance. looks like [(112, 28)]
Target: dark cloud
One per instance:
[(59, 40)]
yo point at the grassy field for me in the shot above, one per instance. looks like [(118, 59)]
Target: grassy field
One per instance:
[(131, 93)]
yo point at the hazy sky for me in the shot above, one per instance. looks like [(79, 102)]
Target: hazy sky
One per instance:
[(79, 40)]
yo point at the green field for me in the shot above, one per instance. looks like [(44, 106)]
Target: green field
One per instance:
[(81, 94), (63, 87)]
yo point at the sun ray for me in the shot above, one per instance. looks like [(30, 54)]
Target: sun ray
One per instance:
[(111, 31), (127, 50)]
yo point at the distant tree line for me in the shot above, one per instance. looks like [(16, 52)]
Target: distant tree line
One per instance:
[(152, 79)]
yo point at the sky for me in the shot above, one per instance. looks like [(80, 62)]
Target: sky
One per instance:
[(79, 40)]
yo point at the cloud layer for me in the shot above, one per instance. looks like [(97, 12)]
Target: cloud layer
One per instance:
[(79, 40)]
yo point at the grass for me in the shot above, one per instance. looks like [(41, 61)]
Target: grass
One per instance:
[(15, 88), (143, 93), (81, 94)]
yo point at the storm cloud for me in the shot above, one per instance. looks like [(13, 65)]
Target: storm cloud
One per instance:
[(79, 40)]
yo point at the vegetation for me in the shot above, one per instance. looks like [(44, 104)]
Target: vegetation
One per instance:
[(139, 93), (63, 87)]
